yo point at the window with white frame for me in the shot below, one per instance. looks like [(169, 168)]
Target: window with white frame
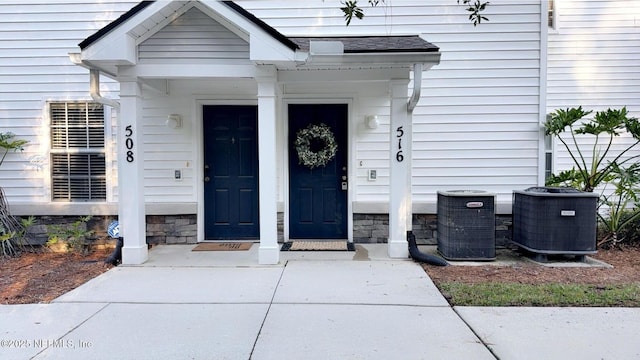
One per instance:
[(552, 16), (78, 171), (548, 154)]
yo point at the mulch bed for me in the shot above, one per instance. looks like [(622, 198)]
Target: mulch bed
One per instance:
[(626, 269), (40, 277)]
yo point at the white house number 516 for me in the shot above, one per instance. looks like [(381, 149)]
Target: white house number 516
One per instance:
[(129, 143), (399, 134)]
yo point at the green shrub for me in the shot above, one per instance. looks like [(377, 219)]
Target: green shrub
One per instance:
[(74, 235)]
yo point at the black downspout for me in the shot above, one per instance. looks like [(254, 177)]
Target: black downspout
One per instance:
[(417, 255), (116, 256)]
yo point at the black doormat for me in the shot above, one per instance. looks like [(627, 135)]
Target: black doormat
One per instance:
[(319, 245)]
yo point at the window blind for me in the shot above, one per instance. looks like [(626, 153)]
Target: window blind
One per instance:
[(78, 168)]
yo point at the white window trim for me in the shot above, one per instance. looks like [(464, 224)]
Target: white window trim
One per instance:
[(555, 20), (46, 145)]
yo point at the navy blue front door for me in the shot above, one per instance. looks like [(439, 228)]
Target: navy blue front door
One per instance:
[(231, 172), (317, 199)]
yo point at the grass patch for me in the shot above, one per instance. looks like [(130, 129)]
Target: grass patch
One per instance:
[(515, 294)]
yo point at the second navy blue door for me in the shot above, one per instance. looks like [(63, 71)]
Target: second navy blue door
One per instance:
[(231, 172), (317, 199)]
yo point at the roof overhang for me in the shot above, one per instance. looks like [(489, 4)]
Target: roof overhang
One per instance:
[(115, 46)]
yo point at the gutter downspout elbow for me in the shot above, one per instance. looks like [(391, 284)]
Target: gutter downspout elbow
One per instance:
[(417, 87), (94, 77)]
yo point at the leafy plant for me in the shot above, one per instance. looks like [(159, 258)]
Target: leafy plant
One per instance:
[(9, 226), (351, 8), (6, 244), (12, 241), (621, 204), (589, 172), (74, 235), (8, 142), (474, 10), (601, 167)]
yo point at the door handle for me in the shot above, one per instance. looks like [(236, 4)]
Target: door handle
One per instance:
[(207, 179)]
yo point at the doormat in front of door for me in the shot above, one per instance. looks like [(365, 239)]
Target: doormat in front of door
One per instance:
[(223, 246), (322, 245)]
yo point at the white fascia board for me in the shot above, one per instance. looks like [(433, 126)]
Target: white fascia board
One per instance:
[(342, 75), (377, 59), (266, 49), (118, 46), (263, 48), (115, 51)]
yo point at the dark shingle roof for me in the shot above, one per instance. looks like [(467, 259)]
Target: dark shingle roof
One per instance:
[(136, 9), (373, 44), (352, 44), (114, 24), (264, 26)]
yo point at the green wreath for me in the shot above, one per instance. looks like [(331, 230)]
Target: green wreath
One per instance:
[(316, 145)]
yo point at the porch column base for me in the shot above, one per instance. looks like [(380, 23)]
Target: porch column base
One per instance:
[(134, 255), (398, 249), (268, 255)]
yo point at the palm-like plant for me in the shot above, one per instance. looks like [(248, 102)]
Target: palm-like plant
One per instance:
[(588, 173), (9, 225), (621, 204), (603, 167)]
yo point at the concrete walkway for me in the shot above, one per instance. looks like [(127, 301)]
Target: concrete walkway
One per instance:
[(330, 305)]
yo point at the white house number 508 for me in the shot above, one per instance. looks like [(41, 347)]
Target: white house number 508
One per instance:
[(399, 134), (129, 143)]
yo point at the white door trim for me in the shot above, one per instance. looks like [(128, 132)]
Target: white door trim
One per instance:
[(347, 99)]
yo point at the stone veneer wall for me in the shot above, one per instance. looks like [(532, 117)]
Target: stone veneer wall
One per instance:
[(374, 228), (38, 233), (183, 229), (170, 229)]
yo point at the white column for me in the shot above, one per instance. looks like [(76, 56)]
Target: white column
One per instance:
[(269, 252), (131, 212), (400, 206)]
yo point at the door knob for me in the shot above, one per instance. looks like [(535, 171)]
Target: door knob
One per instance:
[(207, 179)]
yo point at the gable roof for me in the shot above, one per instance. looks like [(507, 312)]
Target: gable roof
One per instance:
[(261, 24), (114, 24), (240, 10), (352, 44)]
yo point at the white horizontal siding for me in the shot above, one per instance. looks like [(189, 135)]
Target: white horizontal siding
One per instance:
[(594, 62), (488, 79), (194, 38), (476, 125), (479, 107), (35, 39)]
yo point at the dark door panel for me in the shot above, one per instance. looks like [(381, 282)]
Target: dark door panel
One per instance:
[(231, 172), (317, 201)]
